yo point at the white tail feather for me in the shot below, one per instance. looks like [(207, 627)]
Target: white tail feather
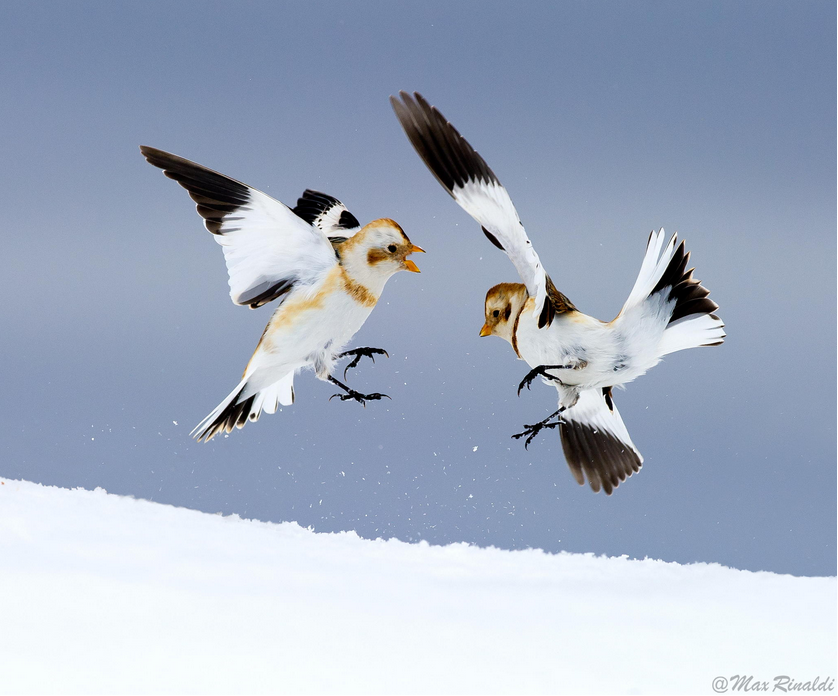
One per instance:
[(284, 391), (692, 332), (652, 268)]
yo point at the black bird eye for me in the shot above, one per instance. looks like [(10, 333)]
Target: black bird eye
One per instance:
[(496, 313), (392, 248)]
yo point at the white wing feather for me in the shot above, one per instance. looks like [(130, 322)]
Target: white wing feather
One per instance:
[(268, 248), (472, 183), (264, 242), (491, 206), (592, 411)]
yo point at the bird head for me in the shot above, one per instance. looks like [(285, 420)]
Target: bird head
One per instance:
[(503, 304), (377, 251)]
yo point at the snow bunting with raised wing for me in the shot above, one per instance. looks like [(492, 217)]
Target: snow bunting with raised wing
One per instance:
[(326, 271), (584, 358)]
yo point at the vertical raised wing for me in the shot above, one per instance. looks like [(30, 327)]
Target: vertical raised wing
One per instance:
[(471, 182), (268, 248)]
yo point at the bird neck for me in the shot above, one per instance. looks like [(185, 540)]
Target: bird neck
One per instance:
[(357, 269), (518, 296)]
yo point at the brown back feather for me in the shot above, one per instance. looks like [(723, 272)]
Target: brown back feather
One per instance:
[(555, 303)]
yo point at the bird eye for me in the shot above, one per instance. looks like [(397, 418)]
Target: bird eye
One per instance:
[(392, 248), (496, 313)]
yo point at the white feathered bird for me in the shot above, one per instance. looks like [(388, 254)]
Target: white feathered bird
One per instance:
[(326, 271), (584, 358)]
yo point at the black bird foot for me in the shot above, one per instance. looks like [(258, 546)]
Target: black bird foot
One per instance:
[(541, 370), (355, 395), (532, 430), (360, 353)]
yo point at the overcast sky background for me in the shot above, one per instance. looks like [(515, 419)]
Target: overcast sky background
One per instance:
[(603, 120)]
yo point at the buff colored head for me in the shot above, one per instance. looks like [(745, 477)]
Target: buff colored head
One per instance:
[(503, 304)]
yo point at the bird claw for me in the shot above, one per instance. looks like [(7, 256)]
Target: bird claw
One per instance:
[(542, 371), (532, 430), (359, 353), (360, 398)]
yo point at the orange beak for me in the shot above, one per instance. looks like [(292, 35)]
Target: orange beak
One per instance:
[(408, 264), (486, 330)]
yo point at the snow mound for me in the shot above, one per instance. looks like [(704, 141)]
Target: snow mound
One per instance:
[(107, 594)]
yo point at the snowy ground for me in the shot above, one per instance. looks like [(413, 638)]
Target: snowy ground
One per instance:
[(105, 594)]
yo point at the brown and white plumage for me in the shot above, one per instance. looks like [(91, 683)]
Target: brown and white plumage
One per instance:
[(324, 269), (584, 358)]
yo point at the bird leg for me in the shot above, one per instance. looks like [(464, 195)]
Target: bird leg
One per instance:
[(352, 394), (360, 353), (532, 430), (542, 370)]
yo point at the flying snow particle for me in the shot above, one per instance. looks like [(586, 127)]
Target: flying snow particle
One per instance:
[(474, 449)]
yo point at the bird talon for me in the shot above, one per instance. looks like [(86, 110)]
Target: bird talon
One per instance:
[(355, 395), (530, 431), (359, 353), (542, 371)]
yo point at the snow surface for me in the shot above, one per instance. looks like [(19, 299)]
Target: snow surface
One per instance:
[(107, 594)]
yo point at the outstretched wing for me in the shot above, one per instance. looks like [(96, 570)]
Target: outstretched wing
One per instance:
[(327, 213), (470, 181), (596, 443), (268, 248)]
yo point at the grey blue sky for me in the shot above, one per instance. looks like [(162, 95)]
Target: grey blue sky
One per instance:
[(603, 120)]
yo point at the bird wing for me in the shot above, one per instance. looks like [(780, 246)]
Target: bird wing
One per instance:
[(268, 248), (470, 181), (596, 442), (327, 214)]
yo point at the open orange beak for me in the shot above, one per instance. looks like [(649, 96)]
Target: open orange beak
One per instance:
[(408, 264), (486, 330)]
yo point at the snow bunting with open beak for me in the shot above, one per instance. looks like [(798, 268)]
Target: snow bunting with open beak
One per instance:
[(584, 358), (326, 271)]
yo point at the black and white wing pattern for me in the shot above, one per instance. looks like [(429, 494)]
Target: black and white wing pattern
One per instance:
[(268, 248), (470, 181), (596, 442), (327, 214)]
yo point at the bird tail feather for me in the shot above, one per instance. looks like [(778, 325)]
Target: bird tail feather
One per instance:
[(692, 322), (243, 404)]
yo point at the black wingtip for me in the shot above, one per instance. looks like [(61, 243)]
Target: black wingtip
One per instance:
[(595, 454), (449, 156), (598, 456), (215, 194)]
